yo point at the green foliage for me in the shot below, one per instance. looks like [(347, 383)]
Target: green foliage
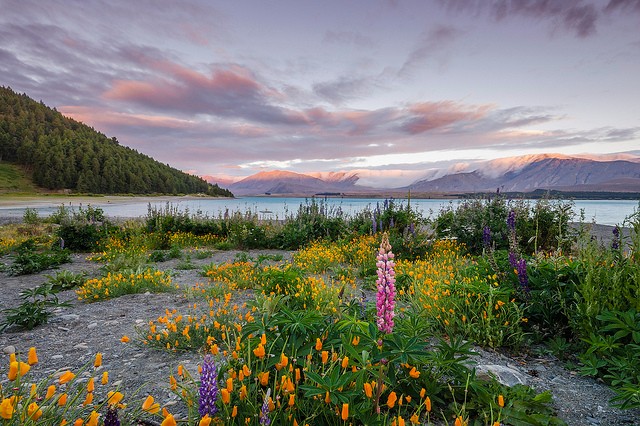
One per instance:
[(65, 280), (35, 309), (613, 353), (542, 226), (83, 230), (29, 259), (30, 216), (65, 154), (118, 284)]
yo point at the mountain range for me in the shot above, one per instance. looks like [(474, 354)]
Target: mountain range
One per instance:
[(608, 173)]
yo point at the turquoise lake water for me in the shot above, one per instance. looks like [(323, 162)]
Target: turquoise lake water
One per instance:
[(605, 212)]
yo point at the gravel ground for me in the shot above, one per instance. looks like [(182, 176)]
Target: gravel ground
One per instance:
[(76, 333)]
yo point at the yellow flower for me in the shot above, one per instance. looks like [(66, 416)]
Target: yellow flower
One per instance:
[(318, 344), (423, 392), (459, 421), (345, 362), (345, 412), (105, 378), (264, 378), (246, 370), (263, 339), (414, 373), (125, 339), (501, 401), (51, 390), (292, 400), (205, 421), (98, 362), (226, 396), (325, 357), (18, 368), (88, 400), (234, 412), (230, 384), (66, 377), (33, 356), (427, 404), (259, 351), (169, 421), (400, 421), (415, 419), (93, 419), (34, 412), (114, 397), (91, 385), (6, 409), (62, 401), (149, 406), (368, 390), (391, 400), (78, 422), (173, 383)]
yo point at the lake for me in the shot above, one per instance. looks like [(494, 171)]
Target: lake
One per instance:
[(605, 212)]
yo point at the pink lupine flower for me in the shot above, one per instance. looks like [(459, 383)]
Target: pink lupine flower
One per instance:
[(385, 298)]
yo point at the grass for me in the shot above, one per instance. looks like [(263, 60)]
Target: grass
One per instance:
[(14, 180)]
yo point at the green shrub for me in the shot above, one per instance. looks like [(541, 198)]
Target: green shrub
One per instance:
[(30, 260), (35, 309)]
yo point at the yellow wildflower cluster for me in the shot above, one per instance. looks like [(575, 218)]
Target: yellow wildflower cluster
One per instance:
[(213, 324), (187, 239), (238, 274), (118, 284)]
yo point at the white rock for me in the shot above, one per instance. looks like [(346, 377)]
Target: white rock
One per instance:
[(92, 325), (9, 350), (506, 375)]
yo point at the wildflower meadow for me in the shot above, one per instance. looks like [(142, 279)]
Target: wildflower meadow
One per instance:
[(368, 319)]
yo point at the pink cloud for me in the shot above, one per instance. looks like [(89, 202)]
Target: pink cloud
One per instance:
[(428, 116)]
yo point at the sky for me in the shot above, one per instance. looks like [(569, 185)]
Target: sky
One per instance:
[(386, 89)]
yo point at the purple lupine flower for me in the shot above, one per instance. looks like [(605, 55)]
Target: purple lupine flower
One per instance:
[(615, 244), (385, 297), (511, 221), (412, 228), (521, 268), (208, 387), (513, 260), (374, 224), (111, 418), (264, 412), (486, 236)]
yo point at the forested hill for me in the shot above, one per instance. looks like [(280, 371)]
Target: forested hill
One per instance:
[(61, 153)]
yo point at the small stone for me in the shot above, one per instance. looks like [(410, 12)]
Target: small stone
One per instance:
[(57, 357), (63, 328), (9, 350), (92, 325), (81, 346), (117, 383), (69, 317)]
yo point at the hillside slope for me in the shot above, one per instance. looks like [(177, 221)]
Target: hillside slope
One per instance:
[(63, 154)]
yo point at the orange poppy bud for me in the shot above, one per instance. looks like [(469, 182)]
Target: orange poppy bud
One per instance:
[(391, 399), (345, 412), (318, 344), (105, 378), (345, 362), (98, 362), (205, 421), (66, 377), (34, 411), (325, 357), (62, 401), (33, 356), (51, 390), (368, 390)]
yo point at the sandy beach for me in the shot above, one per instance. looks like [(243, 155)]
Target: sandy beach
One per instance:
[(20, 202)]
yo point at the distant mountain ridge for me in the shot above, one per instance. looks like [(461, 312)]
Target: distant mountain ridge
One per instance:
[(279, 182), (540, 172), (607, 173)]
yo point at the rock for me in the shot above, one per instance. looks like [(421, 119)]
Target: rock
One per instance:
[(81, 346), (68, 317), (57, 356), (506, 375), (92, 325), (9, 350)]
